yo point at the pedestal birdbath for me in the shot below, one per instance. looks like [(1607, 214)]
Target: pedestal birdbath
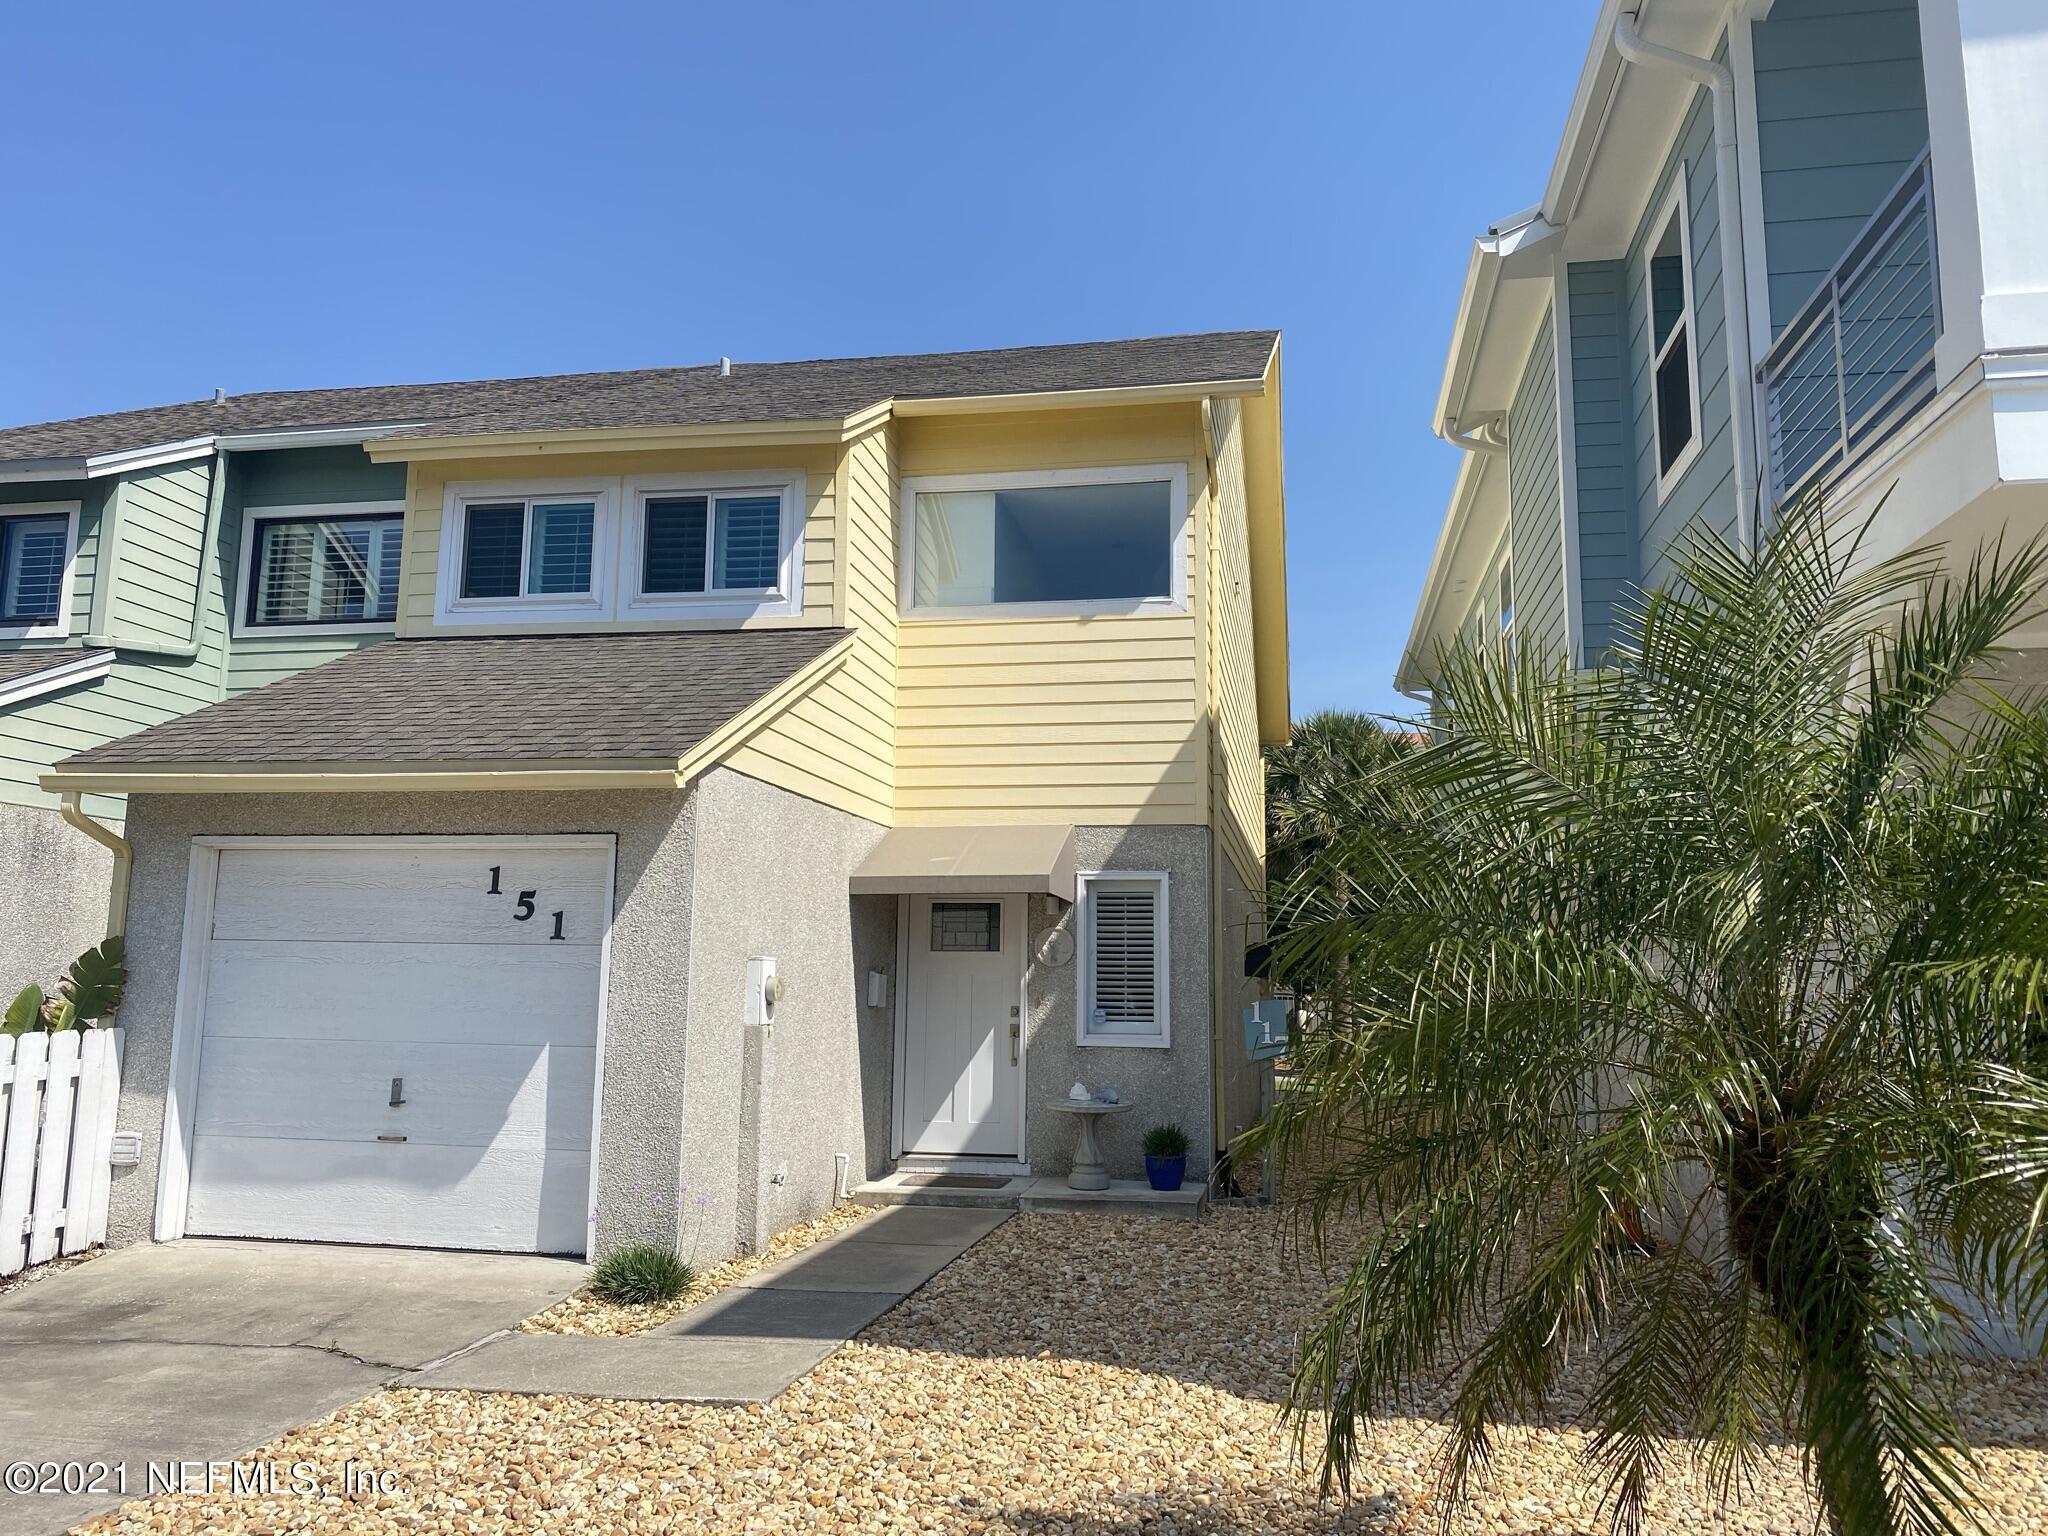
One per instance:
[(1088, 1172)]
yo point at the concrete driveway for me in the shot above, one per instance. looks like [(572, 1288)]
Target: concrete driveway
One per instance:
[(205, 1349)]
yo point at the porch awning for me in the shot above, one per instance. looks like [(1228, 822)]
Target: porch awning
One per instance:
[(969, 861)]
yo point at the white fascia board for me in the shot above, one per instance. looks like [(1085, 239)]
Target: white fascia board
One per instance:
[(311, 437), (1450, 537), (87, 668), (1523, 245), (100, 465)]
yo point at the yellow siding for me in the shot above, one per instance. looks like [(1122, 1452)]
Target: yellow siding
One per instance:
[(1237, 770), (838, 743), (1098, 720), (426, 482)]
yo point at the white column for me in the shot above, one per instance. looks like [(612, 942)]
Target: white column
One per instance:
[(1987, 108)]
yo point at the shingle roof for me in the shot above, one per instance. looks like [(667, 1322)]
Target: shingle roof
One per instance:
[(657, 397), (16, 665), (496, 698)]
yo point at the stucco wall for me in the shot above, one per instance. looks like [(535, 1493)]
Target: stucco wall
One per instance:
[(769, 1110), (1170, 1084), (644, 1057), (1246, 1085), (56, 907)]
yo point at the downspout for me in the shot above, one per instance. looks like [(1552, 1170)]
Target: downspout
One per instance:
[(124, 860), (1717, 78), (175, 650)]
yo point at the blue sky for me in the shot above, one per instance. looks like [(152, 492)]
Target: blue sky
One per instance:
[(283, 196)]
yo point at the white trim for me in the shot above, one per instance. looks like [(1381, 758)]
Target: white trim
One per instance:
[(310, 437), (1567, 464), (88, 668), (59, 627), (785, 597), (1083, 880), (1175, 474), (1010, 903), (188, 1020), (1677, 205), (1755, 258), (239, 625), (602, 491)]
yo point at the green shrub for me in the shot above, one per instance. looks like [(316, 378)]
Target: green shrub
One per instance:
[(1167, 1140), (640, 1275)]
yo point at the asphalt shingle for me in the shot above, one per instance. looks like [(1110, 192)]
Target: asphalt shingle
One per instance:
[(496, 698), (826, 388)]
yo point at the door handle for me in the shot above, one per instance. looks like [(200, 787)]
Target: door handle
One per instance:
[(1016, 1035), (397, 1092)]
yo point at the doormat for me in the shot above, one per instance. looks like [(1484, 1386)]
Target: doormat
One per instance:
[(951, 1181)]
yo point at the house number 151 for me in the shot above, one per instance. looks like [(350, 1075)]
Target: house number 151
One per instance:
[(523, 908)]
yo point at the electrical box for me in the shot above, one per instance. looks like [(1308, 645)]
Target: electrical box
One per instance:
[(878, 989), (126, 1151), (764, 990), (1265, 1029)]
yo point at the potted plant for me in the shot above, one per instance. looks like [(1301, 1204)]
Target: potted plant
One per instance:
[(1166, 1156)]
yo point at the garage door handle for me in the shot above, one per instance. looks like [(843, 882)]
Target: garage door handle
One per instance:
[(391, 1138), (397, 1092)]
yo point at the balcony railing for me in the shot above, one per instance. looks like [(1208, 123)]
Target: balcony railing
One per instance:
[(1858, 359)]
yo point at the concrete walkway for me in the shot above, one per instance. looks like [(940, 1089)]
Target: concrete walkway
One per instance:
[(747, 1343), (206, 1349)]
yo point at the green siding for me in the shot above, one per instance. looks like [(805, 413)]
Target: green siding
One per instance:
[(298, 477), (91, 497), (1705, 494), (1600, 439), (1841, 105), (158, 518), (1536, 535)]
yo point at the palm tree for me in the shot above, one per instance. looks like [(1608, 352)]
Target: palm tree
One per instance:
[(1690, 1012)]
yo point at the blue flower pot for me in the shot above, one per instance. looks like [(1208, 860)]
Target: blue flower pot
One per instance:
[(1166, 1172)]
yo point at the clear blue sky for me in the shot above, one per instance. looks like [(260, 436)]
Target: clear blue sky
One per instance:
[(289, 195)]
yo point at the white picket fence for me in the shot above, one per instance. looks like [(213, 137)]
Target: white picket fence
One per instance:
[(58, 1094)]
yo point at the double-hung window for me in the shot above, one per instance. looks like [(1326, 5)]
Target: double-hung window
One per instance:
[(321, 567), (36, 543), (1124, 969), (1078, 541), (1674, 342)]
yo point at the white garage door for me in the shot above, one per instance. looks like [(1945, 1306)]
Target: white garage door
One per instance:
[(462, 980)]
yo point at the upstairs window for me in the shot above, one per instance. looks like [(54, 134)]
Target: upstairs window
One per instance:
[(1075, 541), (530, 548), (322, 568), (716, 545), (1124, 973), (1674, 365), (35, 567), (712, 543)]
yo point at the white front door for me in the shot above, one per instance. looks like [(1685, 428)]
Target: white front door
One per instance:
[(963, 985), (399, 1042)]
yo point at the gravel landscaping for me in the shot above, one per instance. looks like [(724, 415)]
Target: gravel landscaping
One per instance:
[(1070, 1374)]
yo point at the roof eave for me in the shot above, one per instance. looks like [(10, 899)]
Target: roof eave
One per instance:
[(151, 455), (221, 778), (1266, 519), (558, 440), (1450, 536)]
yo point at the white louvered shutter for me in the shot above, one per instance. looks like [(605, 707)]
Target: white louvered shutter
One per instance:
[(1125, 987)]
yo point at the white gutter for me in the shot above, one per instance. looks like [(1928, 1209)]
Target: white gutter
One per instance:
[(1490, 436), (1635, 48), (124, 860)]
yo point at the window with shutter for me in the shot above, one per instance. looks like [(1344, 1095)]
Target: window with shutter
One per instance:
[(35, 568), (1124, 985)]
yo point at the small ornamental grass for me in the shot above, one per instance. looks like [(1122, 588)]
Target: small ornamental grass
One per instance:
[(640, 1275), (1167, 1140)]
